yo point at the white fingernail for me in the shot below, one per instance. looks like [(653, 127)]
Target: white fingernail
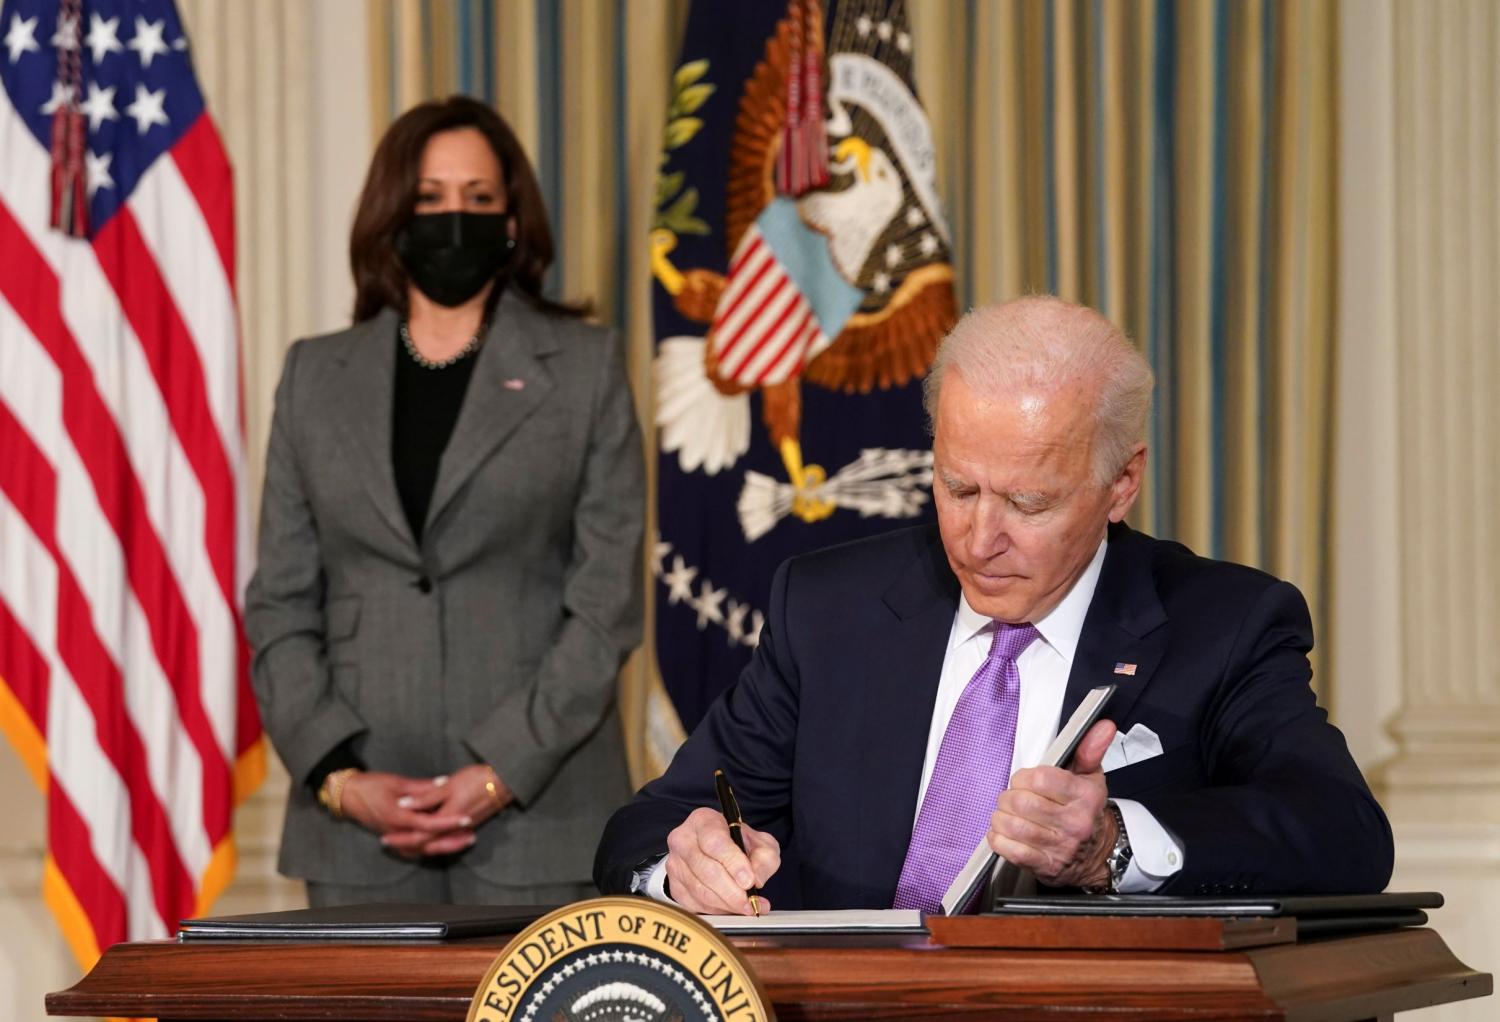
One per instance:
[(404, 801), (440, 781)]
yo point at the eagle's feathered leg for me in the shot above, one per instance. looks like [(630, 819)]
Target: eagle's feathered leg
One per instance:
[(781, 407)]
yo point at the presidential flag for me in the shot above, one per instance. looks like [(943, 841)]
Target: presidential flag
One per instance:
[(802, 282), (124, 679)]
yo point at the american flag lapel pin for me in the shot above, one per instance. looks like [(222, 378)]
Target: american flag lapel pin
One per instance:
[(1126, 669), (515, 383)]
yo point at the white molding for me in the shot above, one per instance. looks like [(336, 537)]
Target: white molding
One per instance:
[(1365, 614), (1447, 264), (1448, 846), (1441, 95)]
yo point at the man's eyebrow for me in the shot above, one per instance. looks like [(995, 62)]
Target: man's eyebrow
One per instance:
[(1030, 497)]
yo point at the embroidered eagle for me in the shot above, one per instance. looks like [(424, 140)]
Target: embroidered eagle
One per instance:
[(844, 284)]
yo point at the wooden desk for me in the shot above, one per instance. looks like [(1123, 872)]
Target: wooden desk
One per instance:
[(866, 978)]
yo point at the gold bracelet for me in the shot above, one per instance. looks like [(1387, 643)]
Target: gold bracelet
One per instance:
[(331, 793), (490, 785)]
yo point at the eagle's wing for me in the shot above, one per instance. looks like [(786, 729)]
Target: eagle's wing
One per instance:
[(884, 347), (894, 345), (759, 125)]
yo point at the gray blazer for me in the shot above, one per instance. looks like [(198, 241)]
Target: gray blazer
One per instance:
[(500, 637)]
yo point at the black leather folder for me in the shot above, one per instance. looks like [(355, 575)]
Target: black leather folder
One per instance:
[(1315, 914), (377, 921)]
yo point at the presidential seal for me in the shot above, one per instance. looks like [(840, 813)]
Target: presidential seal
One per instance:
[(619, 960)]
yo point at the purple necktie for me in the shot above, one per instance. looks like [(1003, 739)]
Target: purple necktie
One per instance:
[(972, 769)]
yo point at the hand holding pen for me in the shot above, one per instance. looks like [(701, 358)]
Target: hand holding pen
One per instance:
[(708, 873), (731, 810)]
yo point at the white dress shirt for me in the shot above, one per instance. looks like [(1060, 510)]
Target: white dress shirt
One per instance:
[(1044, 667)]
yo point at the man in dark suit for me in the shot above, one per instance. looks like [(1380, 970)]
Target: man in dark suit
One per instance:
[(899, 681)]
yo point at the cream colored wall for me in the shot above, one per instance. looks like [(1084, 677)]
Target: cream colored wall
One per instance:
[(33, 956), (1416, 559), (1417, 206), (1365, 644)]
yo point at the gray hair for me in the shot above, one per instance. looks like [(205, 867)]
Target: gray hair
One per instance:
[(1044, 344)]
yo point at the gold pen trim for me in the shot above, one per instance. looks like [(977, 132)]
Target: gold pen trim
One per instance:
[(729, 806)]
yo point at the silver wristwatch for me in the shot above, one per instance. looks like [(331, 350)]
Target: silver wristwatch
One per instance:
[(1119, 855)]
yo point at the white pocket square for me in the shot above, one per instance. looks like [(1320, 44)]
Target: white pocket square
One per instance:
[(1130, 747)]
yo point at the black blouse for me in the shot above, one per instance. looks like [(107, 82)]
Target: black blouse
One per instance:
[(426, 409)]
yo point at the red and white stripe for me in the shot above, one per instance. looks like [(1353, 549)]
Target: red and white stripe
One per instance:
[(764, 327), (123, 540)]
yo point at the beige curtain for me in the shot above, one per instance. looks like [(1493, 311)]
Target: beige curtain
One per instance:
[(1170, 162)]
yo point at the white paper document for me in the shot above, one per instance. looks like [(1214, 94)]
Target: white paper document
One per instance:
[(860, 920), (983, 860)]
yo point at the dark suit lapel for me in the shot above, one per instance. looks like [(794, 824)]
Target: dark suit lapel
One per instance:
[(1125, 625), (904, 664), (364, 406), (509, 383)]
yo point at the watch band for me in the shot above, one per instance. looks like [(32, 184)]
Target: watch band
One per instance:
[(1119, 854)]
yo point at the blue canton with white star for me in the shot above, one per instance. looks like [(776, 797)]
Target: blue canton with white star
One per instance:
[(139, 95)]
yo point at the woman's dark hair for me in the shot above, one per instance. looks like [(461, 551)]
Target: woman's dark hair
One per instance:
[(390, 195)]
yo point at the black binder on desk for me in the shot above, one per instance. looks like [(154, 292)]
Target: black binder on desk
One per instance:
[(1315, 914), (376, 921)]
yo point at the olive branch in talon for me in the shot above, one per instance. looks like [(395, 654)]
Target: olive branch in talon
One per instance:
[(676, 209)]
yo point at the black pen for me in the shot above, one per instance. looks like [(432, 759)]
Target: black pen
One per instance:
[(731, 810)]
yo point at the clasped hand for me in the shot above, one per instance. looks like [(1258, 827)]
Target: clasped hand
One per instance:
[(1053, 821), (417, 817), (707, 873)]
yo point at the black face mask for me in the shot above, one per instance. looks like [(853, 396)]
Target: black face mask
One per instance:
[(451, 256)]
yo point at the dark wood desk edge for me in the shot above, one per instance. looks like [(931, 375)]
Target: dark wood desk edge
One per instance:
[(1310, 979), (1306, 981)]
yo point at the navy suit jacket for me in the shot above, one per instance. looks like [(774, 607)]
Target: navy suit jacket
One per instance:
[(825, 732)]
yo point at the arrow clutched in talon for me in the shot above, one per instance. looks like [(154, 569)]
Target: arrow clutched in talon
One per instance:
[(879, 483), (806, 482)]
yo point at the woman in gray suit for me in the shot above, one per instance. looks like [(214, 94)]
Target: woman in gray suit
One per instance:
[(449, 563)]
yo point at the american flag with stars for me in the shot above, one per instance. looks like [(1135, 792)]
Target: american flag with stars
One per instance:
[(124, 681)]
